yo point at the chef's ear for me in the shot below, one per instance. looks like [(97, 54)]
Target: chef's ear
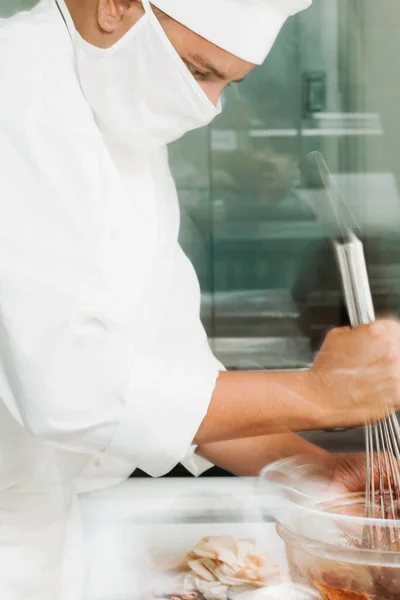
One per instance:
[(118, 14)]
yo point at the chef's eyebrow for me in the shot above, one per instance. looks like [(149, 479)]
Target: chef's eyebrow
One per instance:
[(199, 61)]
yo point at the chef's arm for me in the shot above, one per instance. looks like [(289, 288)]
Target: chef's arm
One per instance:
[(246, 404), (248, 456), (352, 377)]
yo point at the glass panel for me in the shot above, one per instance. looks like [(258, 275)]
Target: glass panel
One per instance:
[(190, 165), (10, 7), (258, 216)]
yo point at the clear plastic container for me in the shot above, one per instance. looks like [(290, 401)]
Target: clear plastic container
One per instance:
[(328, 540), (325, 550)]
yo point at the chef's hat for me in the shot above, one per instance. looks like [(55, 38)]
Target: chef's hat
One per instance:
[(245, 28)]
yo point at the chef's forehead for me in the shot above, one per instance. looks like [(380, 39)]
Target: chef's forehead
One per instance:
[(245, 28)]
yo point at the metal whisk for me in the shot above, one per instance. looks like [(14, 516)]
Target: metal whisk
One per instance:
[(382, 440)]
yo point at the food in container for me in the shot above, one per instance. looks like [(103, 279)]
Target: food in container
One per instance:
[(330, 544), (326, 548)]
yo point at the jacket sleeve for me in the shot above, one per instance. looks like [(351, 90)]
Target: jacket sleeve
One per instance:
[(69, 372)]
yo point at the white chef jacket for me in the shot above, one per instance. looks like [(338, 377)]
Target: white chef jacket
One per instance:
[(104, 364)]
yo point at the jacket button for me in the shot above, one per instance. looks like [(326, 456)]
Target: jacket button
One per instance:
[(98, 461)]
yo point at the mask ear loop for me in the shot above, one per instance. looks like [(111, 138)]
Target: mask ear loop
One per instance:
[(147, 7), (64, 18)]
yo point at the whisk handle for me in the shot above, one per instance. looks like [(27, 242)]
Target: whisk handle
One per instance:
[(353, 270)]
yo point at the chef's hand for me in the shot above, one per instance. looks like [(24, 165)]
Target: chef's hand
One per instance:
[(322, 476), (358, 374), (348, 473)]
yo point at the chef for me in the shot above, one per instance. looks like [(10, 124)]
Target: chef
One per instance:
[(105, 366)]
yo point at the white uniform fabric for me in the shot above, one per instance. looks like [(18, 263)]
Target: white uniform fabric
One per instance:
[(104, 364), (245, 28)]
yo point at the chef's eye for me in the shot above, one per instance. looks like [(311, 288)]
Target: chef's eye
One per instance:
[(201, 76), (197, 74)]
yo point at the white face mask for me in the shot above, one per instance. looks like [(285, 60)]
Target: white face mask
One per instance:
[(141, 92)]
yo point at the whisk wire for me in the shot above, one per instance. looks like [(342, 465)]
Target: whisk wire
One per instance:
[(394, 440), (368, 532), (393, 477), (382, 492), (382, 441), (389, 469)]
